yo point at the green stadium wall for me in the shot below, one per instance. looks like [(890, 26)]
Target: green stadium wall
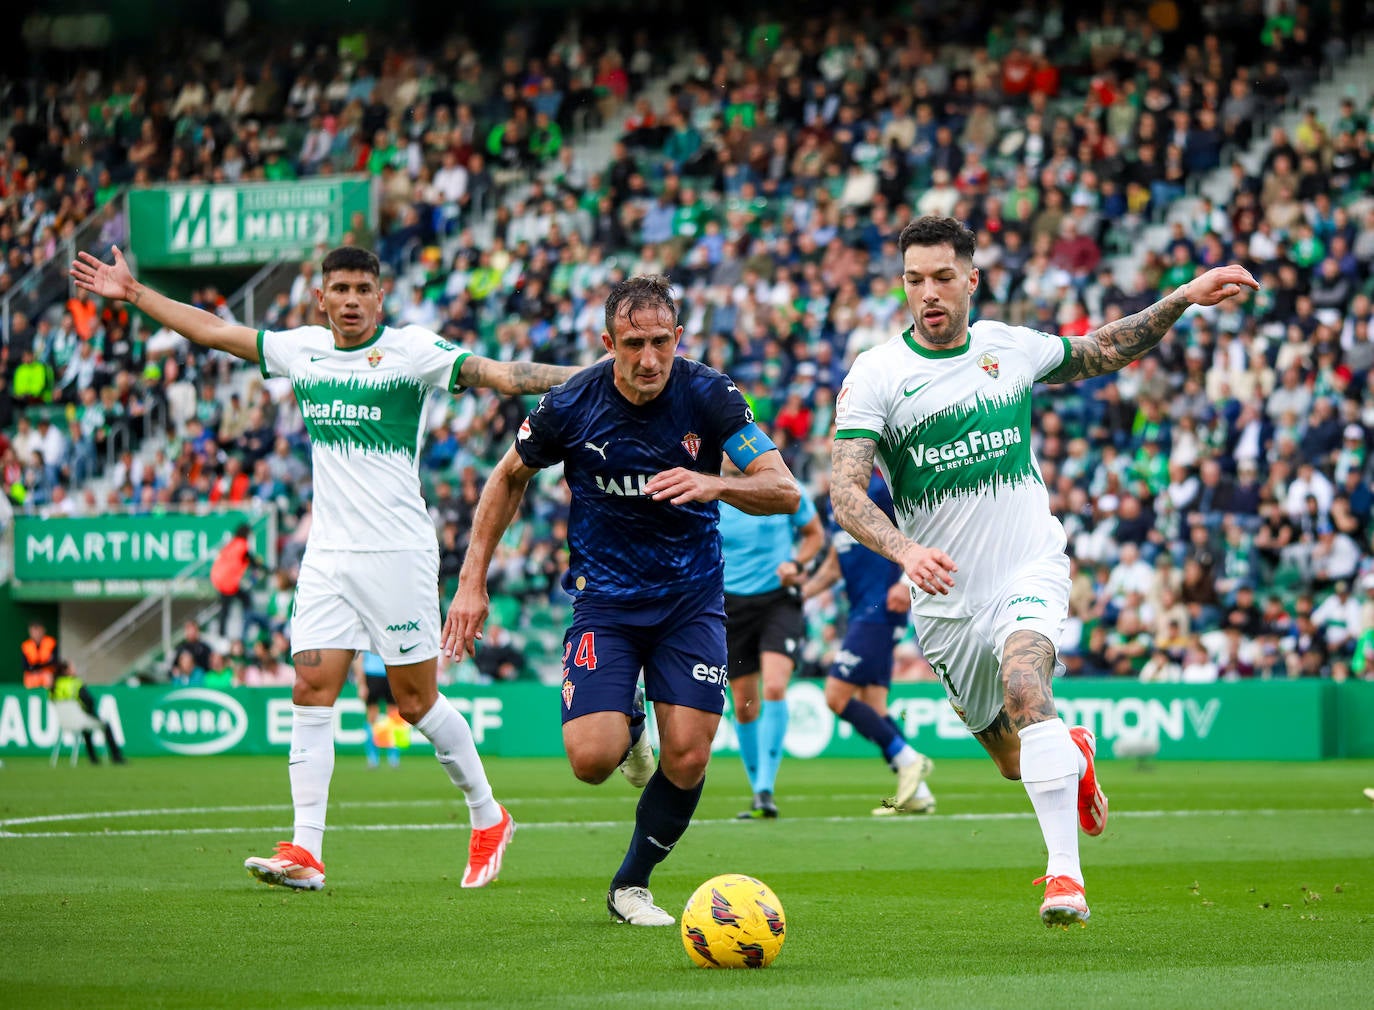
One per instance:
[(1280, 720)]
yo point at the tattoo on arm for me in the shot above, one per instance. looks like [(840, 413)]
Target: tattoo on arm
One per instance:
[(512, 377), (1116, 344), (851, 461), (1027, 666)]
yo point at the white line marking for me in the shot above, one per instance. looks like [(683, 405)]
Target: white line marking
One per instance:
[(562, 825)]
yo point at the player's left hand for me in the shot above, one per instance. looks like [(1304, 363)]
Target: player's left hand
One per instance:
[(466, 616), (1219, 284), (679, 486)]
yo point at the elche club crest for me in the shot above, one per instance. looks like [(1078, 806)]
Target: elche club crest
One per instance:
[(374, 357), (692, 443), (988, 363)]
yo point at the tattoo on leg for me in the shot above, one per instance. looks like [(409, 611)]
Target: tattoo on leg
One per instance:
[(998, 731), (310, 657), (1027, 666)]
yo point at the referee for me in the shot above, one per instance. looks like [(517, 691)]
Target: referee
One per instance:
[(767, 558)]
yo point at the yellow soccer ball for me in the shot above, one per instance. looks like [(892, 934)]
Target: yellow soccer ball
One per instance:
[(733, 921)]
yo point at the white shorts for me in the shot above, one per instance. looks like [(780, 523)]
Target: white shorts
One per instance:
[(966, 652), (386, 602)]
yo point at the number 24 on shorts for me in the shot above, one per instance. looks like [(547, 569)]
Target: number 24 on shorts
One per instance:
[(586, 651)]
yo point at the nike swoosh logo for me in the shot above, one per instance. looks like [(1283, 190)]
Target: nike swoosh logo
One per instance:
[(292, 764), (407, 648), (913, 392), (1027, 617), (318, 357)]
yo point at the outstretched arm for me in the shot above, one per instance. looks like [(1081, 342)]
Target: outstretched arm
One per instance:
[(116, 280), (851, 463), (512, 377), (1115, 345), (495, 509)]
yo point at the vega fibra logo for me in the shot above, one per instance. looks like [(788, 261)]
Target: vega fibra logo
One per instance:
[(339, 412), (407, 626), (198, 721), (975, 443)]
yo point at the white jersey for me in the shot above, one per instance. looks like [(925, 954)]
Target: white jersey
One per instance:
[(953, 433), (364, 410)]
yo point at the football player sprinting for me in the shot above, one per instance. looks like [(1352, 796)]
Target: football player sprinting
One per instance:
[(946, 410), (370, 573), (641, 437)]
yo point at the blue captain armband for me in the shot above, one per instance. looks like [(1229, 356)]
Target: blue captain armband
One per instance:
[(747, 445)]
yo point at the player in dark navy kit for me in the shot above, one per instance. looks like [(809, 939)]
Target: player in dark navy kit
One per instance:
[(857, 685), (641, 438)]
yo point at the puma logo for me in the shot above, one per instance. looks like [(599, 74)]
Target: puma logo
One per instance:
[(600, 450)]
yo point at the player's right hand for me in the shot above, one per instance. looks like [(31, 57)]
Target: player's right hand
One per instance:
[(103, 279), (466, 616), (930, 570)]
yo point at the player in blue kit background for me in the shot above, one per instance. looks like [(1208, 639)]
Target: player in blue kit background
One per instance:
[(857, 684), (641, 437), (764, 631)]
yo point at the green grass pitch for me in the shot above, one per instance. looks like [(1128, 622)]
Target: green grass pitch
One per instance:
[(1215, 885)]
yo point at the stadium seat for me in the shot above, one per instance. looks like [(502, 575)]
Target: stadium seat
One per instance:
[(72, 721)]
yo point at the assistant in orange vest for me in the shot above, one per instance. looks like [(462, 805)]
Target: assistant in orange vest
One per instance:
[(40, 657)]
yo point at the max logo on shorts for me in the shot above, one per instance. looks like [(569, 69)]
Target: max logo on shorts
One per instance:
[(408, 626)]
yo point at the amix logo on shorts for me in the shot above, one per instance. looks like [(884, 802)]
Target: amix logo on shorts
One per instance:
[(407, 626)]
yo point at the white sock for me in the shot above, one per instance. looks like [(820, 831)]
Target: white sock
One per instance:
[(1049, 771), (444, 726), (923, 791), (905, 756), (311, 766)]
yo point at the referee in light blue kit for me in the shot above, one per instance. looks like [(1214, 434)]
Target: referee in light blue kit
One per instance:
[(767, 558)]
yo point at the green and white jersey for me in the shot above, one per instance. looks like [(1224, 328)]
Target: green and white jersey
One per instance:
[(953, 433), (364, 410)]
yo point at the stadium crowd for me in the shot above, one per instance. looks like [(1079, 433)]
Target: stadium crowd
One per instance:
[(1217, 495)]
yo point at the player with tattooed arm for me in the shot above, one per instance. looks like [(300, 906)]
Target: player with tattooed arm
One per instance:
[(945, 409)]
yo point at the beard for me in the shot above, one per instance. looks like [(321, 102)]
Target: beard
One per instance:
[(952, 330)]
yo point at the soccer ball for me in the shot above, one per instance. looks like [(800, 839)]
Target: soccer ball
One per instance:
[(733, 921)]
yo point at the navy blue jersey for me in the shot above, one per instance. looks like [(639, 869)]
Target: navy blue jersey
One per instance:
[(625, 545), (867, 574)]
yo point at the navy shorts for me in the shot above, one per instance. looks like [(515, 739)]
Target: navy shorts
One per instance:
[(865, 658), (679, 643)]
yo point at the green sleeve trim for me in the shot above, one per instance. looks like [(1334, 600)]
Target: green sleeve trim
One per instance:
[(1068, 350), (454, 386), (858, 433), (262, 356)]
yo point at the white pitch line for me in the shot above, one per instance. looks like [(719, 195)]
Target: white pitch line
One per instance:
[(97, 815), (573, 825)]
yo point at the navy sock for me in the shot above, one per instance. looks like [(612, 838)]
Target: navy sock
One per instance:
[(896, 727), (637, 724), (872, 726), (661, 818)]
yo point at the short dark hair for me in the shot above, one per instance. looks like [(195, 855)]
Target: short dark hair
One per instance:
[(351, 257), (932, 230), (647, 291)]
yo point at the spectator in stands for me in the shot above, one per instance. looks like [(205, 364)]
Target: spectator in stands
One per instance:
[(191, 658)]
